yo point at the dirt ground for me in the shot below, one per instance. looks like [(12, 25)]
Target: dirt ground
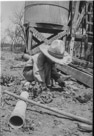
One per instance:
[(41, 122)]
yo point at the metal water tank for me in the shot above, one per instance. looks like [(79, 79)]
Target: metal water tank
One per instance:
[(46, 12)]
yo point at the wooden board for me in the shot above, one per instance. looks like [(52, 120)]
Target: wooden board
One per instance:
[(82, 69), (77, 74), (82, 62)]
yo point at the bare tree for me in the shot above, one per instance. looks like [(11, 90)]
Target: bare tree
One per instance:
[(2, 36), (17, 20), (11, 35), (3, 39)]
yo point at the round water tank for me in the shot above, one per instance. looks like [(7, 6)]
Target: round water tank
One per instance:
[(47, 12)]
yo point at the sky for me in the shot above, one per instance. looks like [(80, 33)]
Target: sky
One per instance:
[(7, 10)]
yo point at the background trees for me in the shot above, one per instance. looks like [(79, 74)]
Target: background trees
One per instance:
[(15, 33)]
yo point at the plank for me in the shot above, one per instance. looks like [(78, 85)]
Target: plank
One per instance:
[(90, 23), (80, 68), (90, 13), (82, 62), (79, 75), (35, 50), (76, 11), (91, 33)]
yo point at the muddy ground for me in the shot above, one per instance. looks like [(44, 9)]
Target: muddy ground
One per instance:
[(41, 122)]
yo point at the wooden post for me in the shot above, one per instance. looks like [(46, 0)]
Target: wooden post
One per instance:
[(72, 45), (89, 25), (29, 43), (73, 27), (76, 12)]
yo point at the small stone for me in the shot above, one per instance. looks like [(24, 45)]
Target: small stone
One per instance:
[(39, 123), (62, 98)]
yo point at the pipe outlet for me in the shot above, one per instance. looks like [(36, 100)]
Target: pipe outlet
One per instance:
[(17, 118)]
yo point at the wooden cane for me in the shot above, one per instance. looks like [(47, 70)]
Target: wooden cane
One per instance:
[(85, 127)]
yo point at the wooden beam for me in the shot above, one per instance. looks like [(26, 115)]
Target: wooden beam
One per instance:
[(29, 44), (81, 69), (76, 11), (82, 62), (90, 23), (77, 74), (58, 36), (77, 37), (76, 23), (35, 50), (90, 13), (91, 33)]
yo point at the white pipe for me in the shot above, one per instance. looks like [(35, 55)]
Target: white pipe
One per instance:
[(17, 117)]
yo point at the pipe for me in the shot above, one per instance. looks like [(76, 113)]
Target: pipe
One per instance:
[(17, 118)]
